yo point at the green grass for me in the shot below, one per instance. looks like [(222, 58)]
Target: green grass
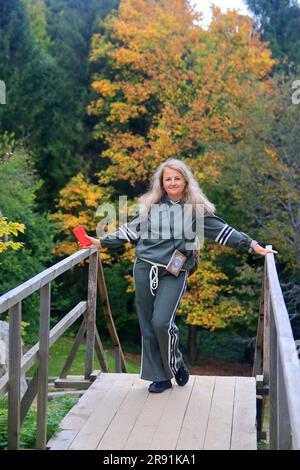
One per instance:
[(57, 408), (262, 445), (59, 352)]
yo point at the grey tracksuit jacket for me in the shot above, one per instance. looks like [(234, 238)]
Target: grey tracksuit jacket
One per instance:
[(156, 241), (157, 303)]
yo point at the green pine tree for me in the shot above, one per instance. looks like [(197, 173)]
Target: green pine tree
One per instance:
[(279, 23)]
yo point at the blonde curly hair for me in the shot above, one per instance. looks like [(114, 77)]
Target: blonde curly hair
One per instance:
[(192, 194)]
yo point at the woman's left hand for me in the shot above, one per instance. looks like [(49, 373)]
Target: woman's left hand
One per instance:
[(263, 251)]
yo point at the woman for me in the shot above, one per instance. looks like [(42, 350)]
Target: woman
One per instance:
[(160, 280)]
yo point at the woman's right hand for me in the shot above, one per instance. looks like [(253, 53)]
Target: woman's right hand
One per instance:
[(95, 243)]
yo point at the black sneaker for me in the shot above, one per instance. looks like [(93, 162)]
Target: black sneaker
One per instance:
[(182, 376), (158, 387)]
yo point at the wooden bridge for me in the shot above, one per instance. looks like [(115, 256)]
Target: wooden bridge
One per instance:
[(117, 411)]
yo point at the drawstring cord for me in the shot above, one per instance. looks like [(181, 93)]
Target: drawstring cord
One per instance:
[(153, 276)]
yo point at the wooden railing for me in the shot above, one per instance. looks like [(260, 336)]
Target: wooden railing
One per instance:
[(276, 364), (18, 365)]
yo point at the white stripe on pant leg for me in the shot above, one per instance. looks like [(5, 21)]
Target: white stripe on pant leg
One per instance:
[(171, 355), (141, 366), (174, 336)]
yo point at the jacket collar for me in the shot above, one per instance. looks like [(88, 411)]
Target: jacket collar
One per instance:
[(166, 199)]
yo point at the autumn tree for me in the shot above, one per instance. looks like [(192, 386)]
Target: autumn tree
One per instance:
[(8, 228), (77, 205), (168, 87), (269, 165)]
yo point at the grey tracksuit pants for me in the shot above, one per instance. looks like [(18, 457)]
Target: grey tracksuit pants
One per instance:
[(161, 357)]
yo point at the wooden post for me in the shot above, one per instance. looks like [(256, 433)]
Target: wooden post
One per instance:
[(283, 424), (258, 356), (29, 396), (74, 349), (108, 315), (284, 377), (267, 321), (273, 384), (10, 382), (42, 389), (91, 313), (14, 373), (100, 352)]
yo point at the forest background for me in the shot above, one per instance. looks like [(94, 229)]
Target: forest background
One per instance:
[(97, 94)]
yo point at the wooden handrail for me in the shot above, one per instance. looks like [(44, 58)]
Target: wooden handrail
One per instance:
[(120, 364), (22, 291), (17, 365), (31, 357), (275, 356), (276, 359)]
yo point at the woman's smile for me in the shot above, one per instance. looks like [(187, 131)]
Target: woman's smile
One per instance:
[(173, 183)]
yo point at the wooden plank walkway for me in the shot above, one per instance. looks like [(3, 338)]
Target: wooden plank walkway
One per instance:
[(118, 412)]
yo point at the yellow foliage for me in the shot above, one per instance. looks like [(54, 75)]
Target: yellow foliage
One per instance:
[(193, 86), (205, 303), (77, 206), (173, 89), (10, 228)]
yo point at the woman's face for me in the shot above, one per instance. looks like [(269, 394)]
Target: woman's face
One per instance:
[(173, 183)]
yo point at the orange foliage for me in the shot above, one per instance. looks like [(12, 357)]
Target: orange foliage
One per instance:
[(189, 87), (170, 88)]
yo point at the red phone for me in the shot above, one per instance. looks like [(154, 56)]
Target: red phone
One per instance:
[(81, 235)]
